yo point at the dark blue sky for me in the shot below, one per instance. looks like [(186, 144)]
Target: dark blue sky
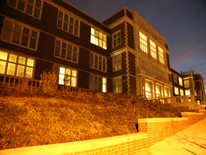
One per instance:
[(181, 22)]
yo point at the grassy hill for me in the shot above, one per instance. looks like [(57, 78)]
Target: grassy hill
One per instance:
[(65, 117)]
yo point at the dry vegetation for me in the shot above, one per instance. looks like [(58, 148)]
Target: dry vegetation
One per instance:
[(29, 118)]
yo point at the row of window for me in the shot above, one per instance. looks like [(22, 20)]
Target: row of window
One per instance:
[(181, 92), (153, 51)]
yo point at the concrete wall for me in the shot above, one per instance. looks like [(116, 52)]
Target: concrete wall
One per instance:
[(151, 130)]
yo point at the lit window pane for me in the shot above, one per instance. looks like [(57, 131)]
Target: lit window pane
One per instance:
[(2, 67), (68, 72), (11, 69), (62, 70), (61, 78), (92, 39), (22, 60), (20, 71), (30, 62), (29, 72), (12, 58), (92, 31), (67, 81), (73, 82), (3, 55), (74, 73)]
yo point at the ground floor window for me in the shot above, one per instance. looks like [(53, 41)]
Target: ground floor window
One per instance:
[(148, 90), (167, 92), (67, 76), (98, 83), (158, 91), (16, 65), (117, 82)]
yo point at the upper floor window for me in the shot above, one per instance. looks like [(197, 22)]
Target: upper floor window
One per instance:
[(98, 83), (143, 42), (16, 33), (117, 82), (181, 92), (68, 23), (180, 81), (176, 91), (16, 65), (31, 7), (98, 62), (117, 62), (98, 38), (186, 84), (67, 76), (117, 38), (161, 55), (187, 92), (66, 51), (153, 49), (175, 77), (158, 91)]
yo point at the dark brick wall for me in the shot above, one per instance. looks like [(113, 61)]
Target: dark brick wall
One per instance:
[(131, 63), (129, 14), (132, 83), (130, 35), (124, 84), (114, 17), (83, 79)]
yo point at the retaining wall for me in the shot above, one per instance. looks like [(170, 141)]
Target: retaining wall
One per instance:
[(151, 130)]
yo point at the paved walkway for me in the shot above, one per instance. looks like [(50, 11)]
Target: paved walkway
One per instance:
[(190, 141)]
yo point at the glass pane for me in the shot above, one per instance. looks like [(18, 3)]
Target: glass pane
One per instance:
[(104, 37), (12, 3), (59, 23), (92, 31), (77, 23), (67, 81), (91, 85), (91, 78), (2, 67), (36, 13), (25, 40), (100, 35), (20, 71), (62, 70), (66, 17), (22, 60), (76, 31), (57, 51), (31, 1), (91, 63), (92, 39), (33, 43), (71, 20), (75, 49), (96, 33), (34, 34), (38, 3), (68, 72), (96, 64), (69, 55), (3, 55), (12, 58), (60, 14), (7, 34), (75, 57), (8, 24), (30, 62), (65, 26), (63, 54), (21, 5), (61, 78), (26, 31), (58, 42), (64, 45), (70, 28), (70, 47), (74, 73), (29, 9), (92, 55), (11, 69), (16, 37), (73, 84)]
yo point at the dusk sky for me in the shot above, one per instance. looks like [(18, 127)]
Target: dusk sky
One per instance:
[(181, 22)]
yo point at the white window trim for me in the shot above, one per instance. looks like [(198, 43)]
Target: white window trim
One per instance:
[(116, 38), (69, 15), (66, 51), (18, 55), (16, 7), (99, 55), (23, 25)]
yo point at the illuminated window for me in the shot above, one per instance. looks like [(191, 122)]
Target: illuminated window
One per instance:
[(117, 62), (98, 83), (176, 91), (67, 76), (187, 92), (161, 55), (14, 65), (98, 38), (186, 84), (153, 49), (117, 38), (98, 62), (148, 91), (66, 51), (180, 81), (143, 42), (68, 23), (31, 7), (181, 92), (158, 91), (117, 83), (17, 34)]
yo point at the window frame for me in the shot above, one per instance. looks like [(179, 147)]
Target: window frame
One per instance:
[(67, 50), (13, 31), (118, 85), (26, 6), (64, 20), (186, 83), (117, 61), (98, 83), (143, 42), (98, 62), (180, 81), (116, 39), (153, 50), (17, 64), (98, 39)]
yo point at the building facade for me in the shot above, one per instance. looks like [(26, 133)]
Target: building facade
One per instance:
[(122, 54)]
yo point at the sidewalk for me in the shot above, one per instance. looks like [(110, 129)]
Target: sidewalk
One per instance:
[(190, 141)]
